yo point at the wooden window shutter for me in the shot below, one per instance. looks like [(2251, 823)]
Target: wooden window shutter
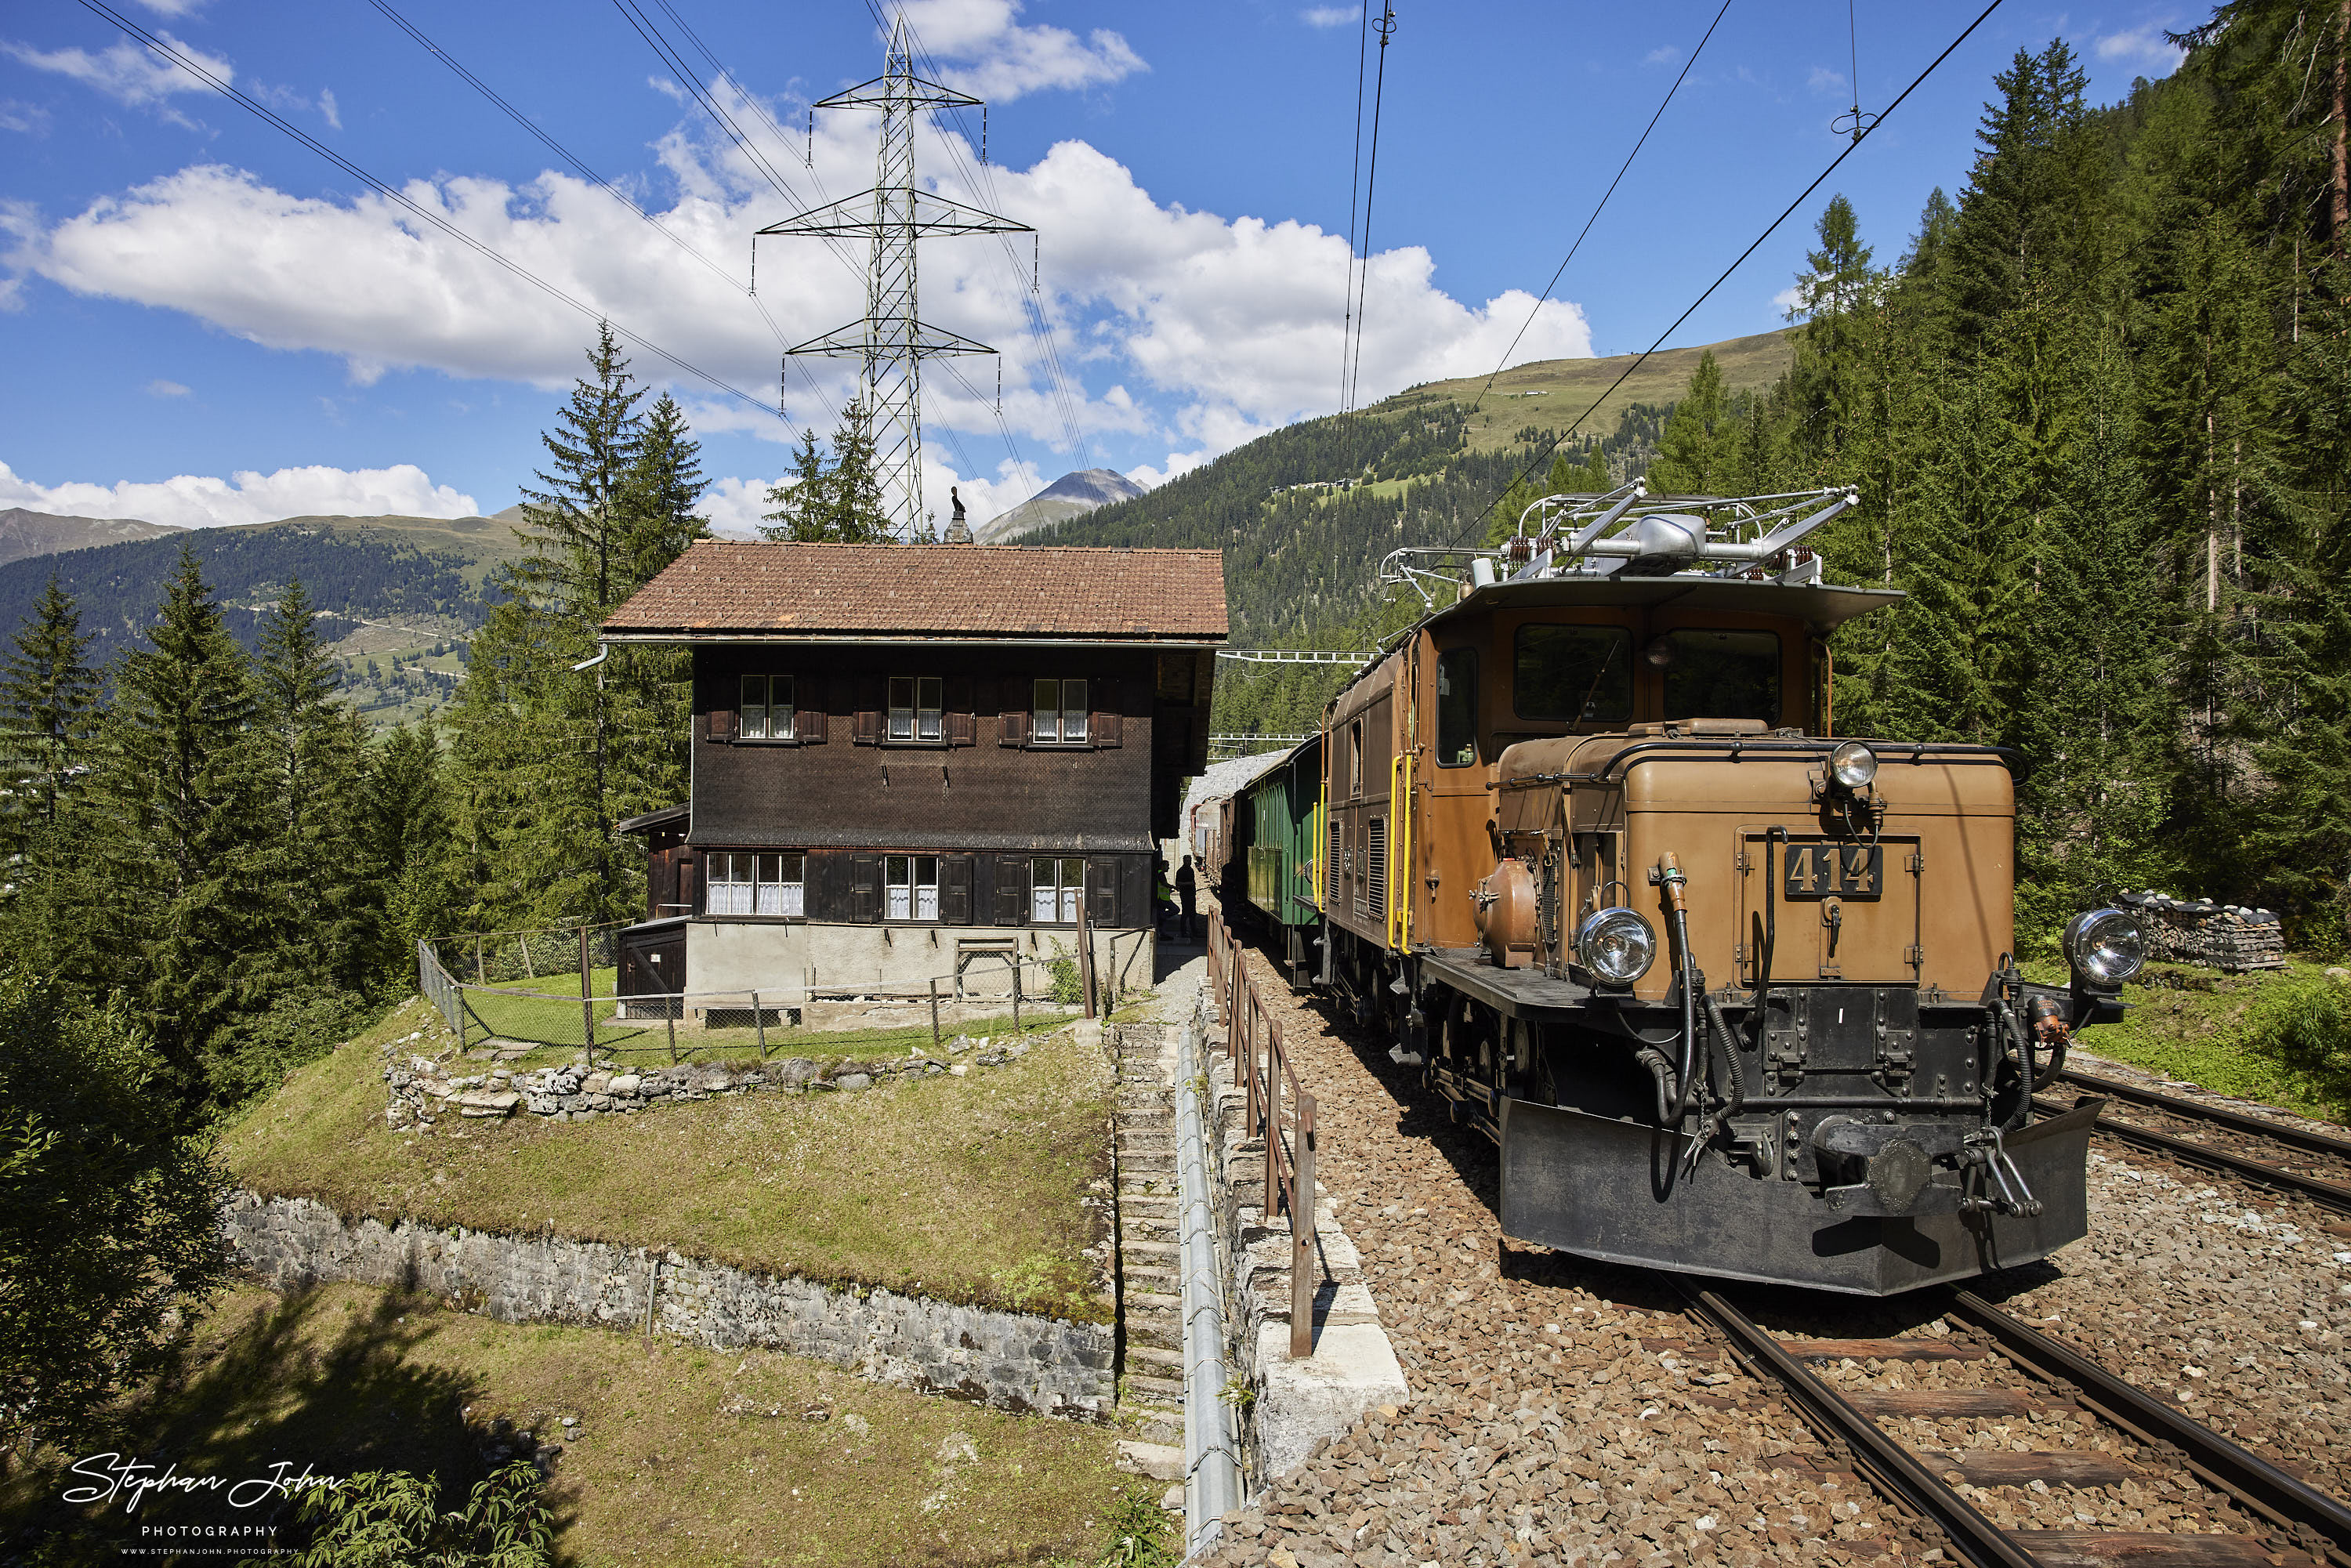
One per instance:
[(961, 725), (871, 695), (1104, 724), (721, 723), (1102, 891), (954, 889), (1011, 890), (864, 889), (808, 723), (1012, 703)]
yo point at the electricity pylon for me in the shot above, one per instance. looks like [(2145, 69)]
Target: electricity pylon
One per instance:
[(892, 340)]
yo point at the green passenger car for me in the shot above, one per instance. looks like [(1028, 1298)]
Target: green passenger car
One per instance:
[(1284, 806)]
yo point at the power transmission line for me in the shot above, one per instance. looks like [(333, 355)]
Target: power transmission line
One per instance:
[(1478, 520), (423, 214), (1354, 192), (1504, 363)]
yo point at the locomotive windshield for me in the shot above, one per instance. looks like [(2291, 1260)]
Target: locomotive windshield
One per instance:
[(1573, 675), (1722, 674)]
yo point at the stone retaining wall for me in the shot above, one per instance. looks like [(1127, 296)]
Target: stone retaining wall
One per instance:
[(1009, 1360), (422, 1089)]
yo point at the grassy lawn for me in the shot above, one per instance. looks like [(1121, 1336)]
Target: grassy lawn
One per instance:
[(965, 1189), (2280, 1037), (547, 1010), (688, 1457)]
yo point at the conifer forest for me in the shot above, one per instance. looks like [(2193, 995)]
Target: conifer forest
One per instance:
[(2098, 411)]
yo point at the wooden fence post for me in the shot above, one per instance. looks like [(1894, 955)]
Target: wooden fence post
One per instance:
[(1015, 994), (481, 977), (587, 997), (934, 1012), (1301, 1232), (760, 1022), (1085, 956), (1272, 1124)]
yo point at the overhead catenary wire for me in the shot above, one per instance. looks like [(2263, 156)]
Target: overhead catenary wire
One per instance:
[(1598, 207), (1385, 27), (1354, 192), (170, 53), (1479, 517)]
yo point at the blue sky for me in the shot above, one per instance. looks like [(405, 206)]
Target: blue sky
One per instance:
[(205, 321)]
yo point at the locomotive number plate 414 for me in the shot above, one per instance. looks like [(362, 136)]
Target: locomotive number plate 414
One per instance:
[(1833, 871)]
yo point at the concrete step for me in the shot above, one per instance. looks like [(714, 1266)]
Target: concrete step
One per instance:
[(1168, 1389), (1155, 1355), (1163, 1334), (1167, 1249)]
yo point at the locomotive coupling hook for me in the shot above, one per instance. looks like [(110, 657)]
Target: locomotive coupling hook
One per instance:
[(1668, 876)]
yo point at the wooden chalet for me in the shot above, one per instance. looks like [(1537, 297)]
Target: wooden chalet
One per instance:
[(909, 758)]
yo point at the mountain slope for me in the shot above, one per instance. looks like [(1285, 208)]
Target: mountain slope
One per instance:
[(398, 596), (25, 534), (1071, 495), (1302, 554)]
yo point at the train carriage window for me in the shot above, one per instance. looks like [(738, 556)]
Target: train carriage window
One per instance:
[(1573, 675), (1456, 707), (1722, 674)]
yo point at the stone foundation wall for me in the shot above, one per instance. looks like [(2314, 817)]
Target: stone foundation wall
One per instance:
[(1009, 1360)]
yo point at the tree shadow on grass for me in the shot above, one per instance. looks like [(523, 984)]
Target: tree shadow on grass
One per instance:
[(326, 1382)]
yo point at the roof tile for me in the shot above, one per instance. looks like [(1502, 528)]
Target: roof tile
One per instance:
[(722, 587)]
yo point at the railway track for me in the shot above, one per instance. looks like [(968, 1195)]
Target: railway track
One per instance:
[(2291, 1524), (2284, 1159)]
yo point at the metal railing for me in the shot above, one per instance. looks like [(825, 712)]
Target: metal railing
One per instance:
[(1260, 1061), (741, 1021)]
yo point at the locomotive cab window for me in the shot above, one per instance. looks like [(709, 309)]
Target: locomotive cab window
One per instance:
[(1573, 675), (1722, 674), (1456, 707)]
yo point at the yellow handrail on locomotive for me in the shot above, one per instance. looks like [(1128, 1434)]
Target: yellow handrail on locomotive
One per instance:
[(1321, 856), (1399, 847)]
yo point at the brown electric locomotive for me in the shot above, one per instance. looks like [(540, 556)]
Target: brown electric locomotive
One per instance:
[(1734, 996)]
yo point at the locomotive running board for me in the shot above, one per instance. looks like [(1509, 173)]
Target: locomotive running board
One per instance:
[(1619, 1191)]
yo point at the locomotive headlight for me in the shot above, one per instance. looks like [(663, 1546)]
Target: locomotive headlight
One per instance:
[(1616, 945), (2106, 947), (1854, 765)]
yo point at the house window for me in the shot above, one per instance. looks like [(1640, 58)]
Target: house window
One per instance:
[(915, 702), (741, 883), (766, 708), (911, 887), (1054, 888), (1060, 713)]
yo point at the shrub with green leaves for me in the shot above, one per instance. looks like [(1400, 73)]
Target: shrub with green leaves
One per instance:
[(393, 1519)]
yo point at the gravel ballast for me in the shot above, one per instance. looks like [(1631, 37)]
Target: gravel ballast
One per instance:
[(1565, 1412)]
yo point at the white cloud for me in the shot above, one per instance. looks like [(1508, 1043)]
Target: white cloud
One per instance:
[(1207, 331), (327, 107), (2144, 46), (173, 7), (1824, 80), (165, 388), (1664, 55), (737, 507), (1330, 16), (1002, 59), (1789, 299), (196, 501), (28, 117), (127, 72)]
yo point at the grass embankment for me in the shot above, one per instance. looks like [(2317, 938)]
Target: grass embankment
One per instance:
[(2280, 1037), (688, 1457), (965, 1189), (545, 1012)]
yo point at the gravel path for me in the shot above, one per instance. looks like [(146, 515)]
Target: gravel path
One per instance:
[(1570, 1413)]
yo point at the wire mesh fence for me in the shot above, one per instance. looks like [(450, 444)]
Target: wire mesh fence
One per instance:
[(504, 957), (554, 1011)]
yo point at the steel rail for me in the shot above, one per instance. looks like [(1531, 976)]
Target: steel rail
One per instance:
[(1889, 1464), (2319, 1522), (2332, 1195), (2235, 1121)]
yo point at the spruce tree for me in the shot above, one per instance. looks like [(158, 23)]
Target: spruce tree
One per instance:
[(48, 700), (180, 800), (836, 501), (1687, 455)]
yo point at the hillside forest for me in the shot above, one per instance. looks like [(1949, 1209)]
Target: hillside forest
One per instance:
[(2099, 412)]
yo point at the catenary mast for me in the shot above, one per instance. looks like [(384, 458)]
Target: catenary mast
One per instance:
[(892, 340)]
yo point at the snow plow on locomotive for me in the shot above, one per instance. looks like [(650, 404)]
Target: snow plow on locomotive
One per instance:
[(1733, 996)]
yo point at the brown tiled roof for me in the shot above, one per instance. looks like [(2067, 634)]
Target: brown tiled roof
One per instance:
[(719, 588)]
